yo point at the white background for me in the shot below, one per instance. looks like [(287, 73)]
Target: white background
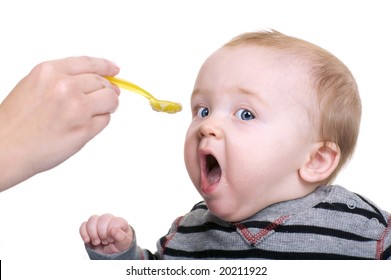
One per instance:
[(135, 168)]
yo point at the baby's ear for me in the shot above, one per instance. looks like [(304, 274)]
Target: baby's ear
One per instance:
[(323, 161)]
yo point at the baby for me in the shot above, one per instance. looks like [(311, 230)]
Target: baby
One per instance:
[(274, 120)]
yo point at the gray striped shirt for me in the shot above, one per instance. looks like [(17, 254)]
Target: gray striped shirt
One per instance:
[(330, 223)]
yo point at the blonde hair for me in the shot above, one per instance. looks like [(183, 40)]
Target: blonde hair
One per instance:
[(339, 105)]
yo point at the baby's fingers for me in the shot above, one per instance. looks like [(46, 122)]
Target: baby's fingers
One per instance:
[(83, 233), (92, 230), (121, 234), (88, 231)]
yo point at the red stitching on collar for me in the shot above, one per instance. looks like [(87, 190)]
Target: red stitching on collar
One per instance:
[(254, 238)]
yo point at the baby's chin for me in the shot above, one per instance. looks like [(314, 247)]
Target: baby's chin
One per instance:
[(227, 212)]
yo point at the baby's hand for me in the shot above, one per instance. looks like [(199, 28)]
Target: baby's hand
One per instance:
[(106, 234)]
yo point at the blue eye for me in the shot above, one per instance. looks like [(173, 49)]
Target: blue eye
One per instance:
[(245, 114), (202, 112)]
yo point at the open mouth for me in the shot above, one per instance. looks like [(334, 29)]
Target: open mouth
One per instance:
[(212, 169)]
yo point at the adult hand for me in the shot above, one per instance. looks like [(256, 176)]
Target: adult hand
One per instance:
[(52, 113)]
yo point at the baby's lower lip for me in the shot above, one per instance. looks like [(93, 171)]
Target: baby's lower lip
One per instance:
[(209, 183), (207, 188)]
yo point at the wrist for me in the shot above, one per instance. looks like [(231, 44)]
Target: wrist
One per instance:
[(14, 169)]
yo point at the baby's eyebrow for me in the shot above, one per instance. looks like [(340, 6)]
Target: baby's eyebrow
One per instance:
[(252, 94), (196, 91), (238, 90)]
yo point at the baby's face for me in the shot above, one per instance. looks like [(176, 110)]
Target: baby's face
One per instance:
[(250, 132)]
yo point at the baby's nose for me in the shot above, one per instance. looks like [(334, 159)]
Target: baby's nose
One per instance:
[(210, 129)]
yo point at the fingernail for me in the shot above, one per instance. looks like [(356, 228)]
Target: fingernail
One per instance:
[(115, 64), (95, 242), (117, 89)]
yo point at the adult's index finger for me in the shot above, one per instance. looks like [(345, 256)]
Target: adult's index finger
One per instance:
[(86, 64)]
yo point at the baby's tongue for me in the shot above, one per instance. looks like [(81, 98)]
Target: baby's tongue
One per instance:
[(214, 175)]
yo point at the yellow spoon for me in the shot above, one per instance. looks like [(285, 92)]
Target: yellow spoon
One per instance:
[(157, 105)]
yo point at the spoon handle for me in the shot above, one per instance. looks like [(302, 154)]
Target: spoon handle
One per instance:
[(130, 86)]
